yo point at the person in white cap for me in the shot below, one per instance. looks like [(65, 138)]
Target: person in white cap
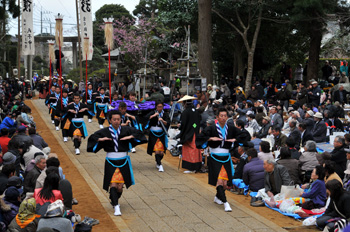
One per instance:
[(315, 93), (308, 120), (319, 132)]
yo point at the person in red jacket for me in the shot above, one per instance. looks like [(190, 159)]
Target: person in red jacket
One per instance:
[(4, 140)]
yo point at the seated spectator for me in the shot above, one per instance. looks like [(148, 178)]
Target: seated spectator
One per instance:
[(38, 141), (13, 155), (31, 164), (338, 155), (276, 175), (4, 140), (305, 134), (291, 164), (256, 141), (23, 136), (264, 131), (308, 160), (30, 178), (317, 190), (54, 219), (52, 161), (12, 201), (243, 159), (319, 131), (53, 165), (28, 156), (252, 123), (7, 171), (260, 113), (338, 208), (243, 135), (24, 118), (50, 191), (330, 174), (253, 171), (26, 220), (9, 122), (322, 157), (294, 133), (265, 152), (346, 180), (308, 121), (295, 154), (15, 181), (280, 138)]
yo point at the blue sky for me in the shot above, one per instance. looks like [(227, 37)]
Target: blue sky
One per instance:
[(67, 9)]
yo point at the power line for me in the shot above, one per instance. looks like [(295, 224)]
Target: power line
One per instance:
[(69, 15)]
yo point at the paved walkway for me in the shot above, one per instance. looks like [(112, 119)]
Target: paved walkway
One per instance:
[(169, 201)]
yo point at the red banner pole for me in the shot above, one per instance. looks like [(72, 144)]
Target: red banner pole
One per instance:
[(50, 76), (86, 85), (60, 71)]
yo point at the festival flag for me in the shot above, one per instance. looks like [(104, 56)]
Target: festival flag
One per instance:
[(28, 47), (59, 41), (51, 57), (109, 41), (86, 25)]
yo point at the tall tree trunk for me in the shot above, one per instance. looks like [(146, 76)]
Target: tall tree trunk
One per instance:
[(251, 52), (235, 65), (205, 59), (314, 52), (238, 56)]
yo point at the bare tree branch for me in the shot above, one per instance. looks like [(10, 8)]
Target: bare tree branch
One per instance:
[(228, 21), (240, 20)]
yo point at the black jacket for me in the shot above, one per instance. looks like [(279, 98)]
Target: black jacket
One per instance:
[(319, 132), (296, 135), (306, 137), (337, 97), (338, 155)]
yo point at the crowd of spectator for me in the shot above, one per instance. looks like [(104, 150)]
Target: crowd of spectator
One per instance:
[(35, 194)]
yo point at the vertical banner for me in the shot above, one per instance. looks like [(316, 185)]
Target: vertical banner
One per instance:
[(86, 25), (28, 47)]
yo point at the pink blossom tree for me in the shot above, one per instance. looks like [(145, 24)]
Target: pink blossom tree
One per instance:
[(132, 37)]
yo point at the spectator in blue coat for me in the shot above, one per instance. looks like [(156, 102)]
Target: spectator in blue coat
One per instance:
[(317, 190), (9, 122), (253, 171)]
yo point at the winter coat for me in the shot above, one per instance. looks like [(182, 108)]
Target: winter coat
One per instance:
[(8, 211), (292, 166), (317, 193), (253, 174), (308, 160), (281, 177), (319, 132), (338, 155)]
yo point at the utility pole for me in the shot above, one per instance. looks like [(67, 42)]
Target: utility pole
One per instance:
[(41, 21), (79, 43), (41, 43), (19, 42), (188, 32)]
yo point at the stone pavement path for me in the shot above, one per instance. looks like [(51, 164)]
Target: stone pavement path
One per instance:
[(168, 201)]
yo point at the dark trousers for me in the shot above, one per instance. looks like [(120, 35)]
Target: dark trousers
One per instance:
[(101, 121), (321, 222)]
